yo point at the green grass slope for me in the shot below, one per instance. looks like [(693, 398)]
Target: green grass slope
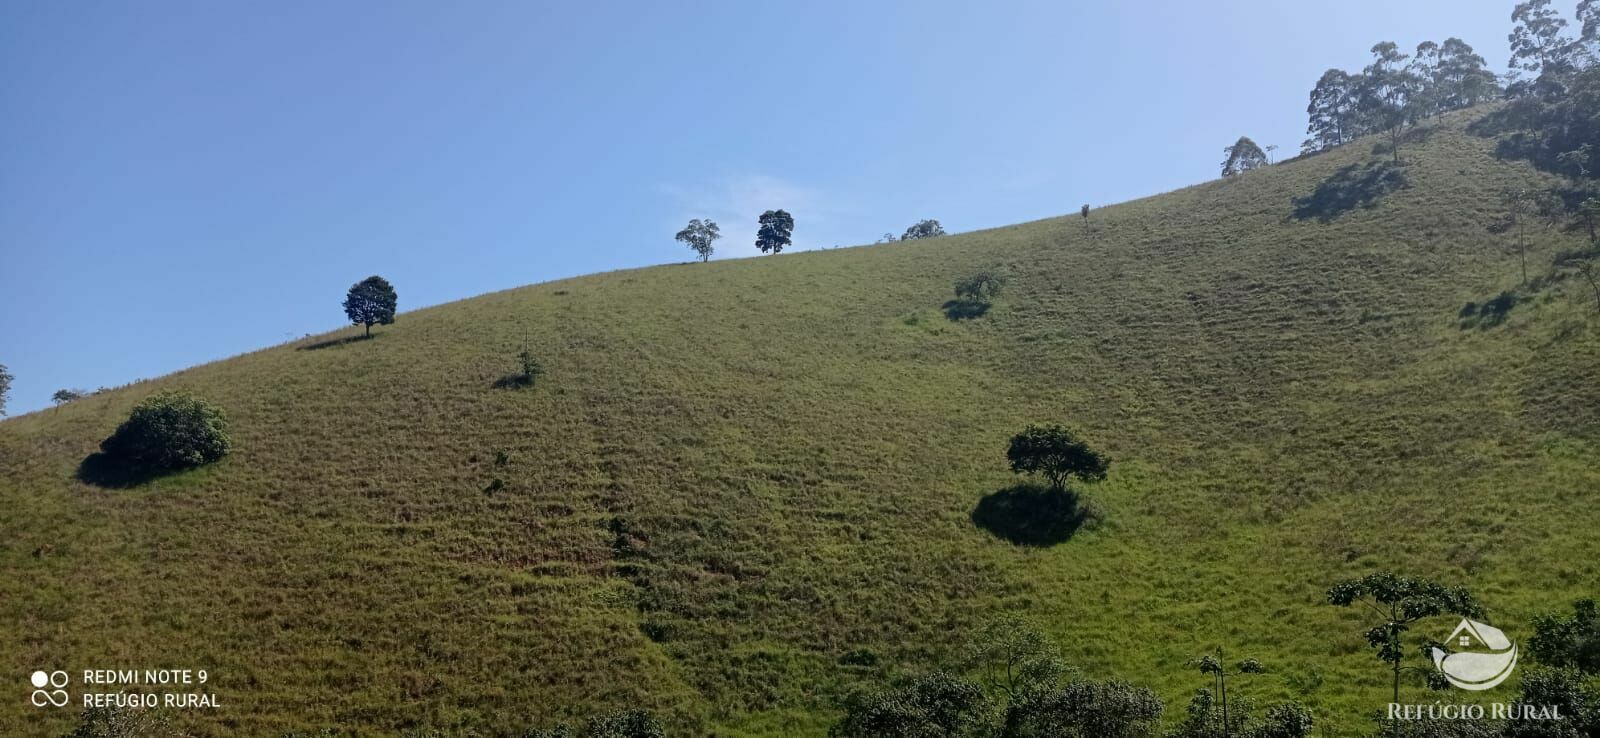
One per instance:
[(741, 482)]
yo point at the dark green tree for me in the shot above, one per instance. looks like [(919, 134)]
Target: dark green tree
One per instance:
[(777, 227), (64, 396), (1551, 691), (1085, 709), (1399, 602), (1540, 50), (1572, 642), (1388, 94), (371, 302), (923, 229), (1334, 111), (168, 431), (937, 705), (1243, 156), (1056, 453), (1085, 211), (1461, 78), (699, 235)]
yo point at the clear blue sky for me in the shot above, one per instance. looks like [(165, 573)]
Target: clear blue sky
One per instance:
[(185, 181)]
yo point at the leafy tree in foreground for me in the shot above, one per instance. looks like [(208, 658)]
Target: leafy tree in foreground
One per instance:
[(1057, 454), (371, 301), (1014, 658), (1554, 690), (777, 226), (936, 705), (923, 229), (1112, 709), (167, 431), (1568, 641), (1214, 666), (1400, 601), (699, 235), (5, 388), (1242, 156)]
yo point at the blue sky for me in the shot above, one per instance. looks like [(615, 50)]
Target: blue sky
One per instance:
[(185, 181)]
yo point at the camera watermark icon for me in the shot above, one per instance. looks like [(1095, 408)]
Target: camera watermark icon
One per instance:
[(49, 689)]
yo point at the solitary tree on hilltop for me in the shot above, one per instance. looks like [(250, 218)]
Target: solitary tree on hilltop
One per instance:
[(1085, 211), (64, 396), (699, 235), (1243, 156), (923, 229), (1057, 454), (371, 301), (776, 228)]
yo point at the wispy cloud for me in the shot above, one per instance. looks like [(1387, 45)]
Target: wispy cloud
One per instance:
[(737, 202)]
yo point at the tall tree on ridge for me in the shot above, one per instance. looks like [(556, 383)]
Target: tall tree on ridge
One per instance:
[(776, 228), (699, 235), (371, 301), (1242, 156)]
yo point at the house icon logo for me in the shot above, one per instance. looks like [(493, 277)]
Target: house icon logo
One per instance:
[(1480, 656)]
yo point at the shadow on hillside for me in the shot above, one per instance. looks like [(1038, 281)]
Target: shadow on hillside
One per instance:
[(965, 309), (333, 342), (1354, 186), (1032, 515), (102, 470), (516, 380)]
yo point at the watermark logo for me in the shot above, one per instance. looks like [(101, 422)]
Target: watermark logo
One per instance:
[(1480, 656), (49, 689)]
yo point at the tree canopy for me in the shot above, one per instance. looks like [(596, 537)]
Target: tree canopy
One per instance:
[(777, 226), (1056, 453), (167, 431), (5, 388), (1242, 156), (699, 235), (370, 302), (923, 229)]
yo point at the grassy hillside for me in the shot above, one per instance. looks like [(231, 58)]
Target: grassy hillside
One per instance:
[(741, 481)]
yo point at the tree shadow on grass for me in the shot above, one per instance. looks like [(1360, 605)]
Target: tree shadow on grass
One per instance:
[(333, 342), (102, 470), (965, 309), (516, 380), (1032, 515), (1354, 186)]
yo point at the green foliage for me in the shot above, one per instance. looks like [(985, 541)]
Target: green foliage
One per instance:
[(1242, 156), (1400, 602), (372, 301), (699, 235), (1568, 642), (168, 431), (1085, 709), (981, 286), (1057, 454), (1390, 94), (115, 722), (1013, 657), (1286, 720), (619, 724), (923, 229), (5, 388), (777, 227), (936, 705), (64, 396), (1565, 691)]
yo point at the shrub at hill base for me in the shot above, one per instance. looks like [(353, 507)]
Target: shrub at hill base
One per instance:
[(166, 432)]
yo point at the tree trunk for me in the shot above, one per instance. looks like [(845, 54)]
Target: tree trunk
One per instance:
[(369, 330)]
